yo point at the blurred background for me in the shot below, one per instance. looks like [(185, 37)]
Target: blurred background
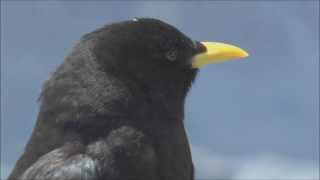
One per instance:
[(252, 119)]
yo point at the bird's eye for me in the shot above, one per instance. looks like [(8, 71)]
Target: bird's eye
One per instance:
[(171, 55)]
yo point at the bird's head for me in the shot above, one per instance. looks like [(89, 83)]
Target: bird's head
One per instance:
[(157, 55)]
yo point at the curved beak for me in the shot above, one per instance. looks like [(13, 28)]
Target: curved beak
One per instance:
[(217, 52)]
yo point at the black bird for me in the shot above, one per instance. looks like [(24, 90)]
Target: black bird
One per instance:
[(114, 109)]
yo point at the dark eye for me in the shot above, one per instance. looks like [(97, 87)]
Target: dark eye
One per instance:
[(171, 55)]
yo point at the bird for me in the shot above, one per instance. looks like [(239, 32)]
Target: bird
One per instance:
[(114, 109)]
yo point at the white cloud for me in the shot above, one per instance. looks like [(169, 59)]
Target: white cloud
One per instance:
[(276, 167), (209, 165), (5, 170)]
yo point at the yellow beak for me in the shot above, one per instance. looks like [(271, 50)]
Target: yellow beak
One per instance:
[(217, 52)]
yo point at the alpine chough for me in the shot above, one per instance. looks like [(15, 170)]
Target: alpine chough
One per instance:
[(114, 109)]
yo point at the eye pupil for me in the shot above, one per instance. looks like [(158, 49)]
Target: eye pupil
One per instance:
[(171, 55)]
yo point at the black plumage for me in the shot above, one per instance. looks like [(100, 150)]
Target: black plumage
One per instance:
[(114, 109)]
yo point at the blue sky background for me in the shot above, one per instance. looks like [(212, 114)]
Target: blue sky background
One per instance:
[(256, 118)]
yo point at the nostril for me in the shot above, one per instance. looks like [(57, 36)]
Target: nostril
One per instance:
[(199, 47)]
